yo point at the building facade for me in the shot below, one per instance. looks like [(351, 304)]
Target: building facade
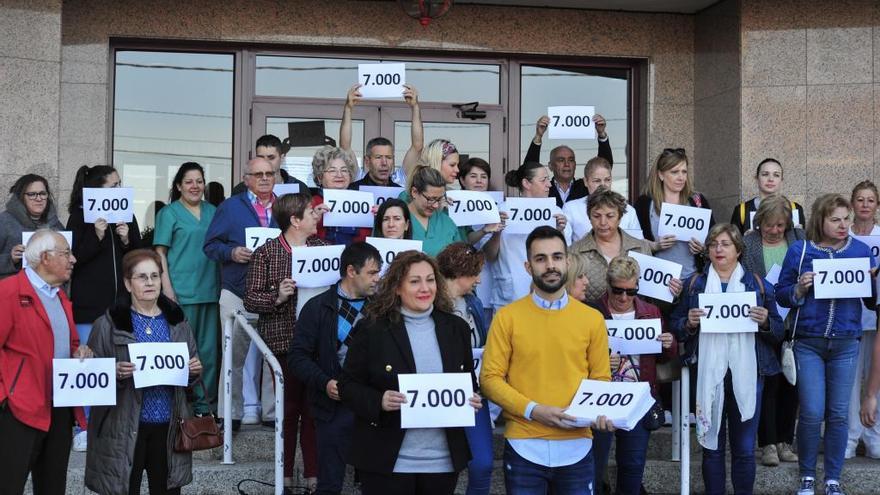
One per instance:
[(149, 85)]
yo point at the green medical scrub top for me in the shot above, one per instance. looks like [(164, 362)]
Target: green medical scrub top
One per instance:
[(196, 279), (442, 231)]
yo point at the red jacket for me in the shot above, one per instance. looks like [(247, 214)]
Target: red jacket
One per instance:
[(27, 347)]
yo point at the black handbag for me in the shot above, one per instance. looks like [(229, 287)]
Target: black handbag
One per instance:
[(654, 418)]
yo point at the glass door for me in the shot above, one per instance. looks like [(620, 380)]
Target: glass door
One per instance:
[(483, 137)]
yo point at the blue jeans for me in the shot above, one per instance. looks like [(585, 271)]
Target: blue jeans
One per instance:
[(742, 446), (479, 438), (631, 454), (522, 477), (826, 371)]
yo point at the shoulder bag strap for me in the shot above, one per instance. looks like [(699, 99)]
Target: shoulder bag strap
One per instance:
[(796, 315)]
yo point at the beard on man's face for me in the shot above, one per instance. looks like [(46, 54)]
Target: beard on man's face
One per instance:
[(550, 287)]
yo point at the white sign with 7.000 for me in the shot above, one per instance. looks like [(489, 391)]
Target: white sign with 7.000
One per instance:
[(436, 400), (87, 382), (727, 312), (348, 208), (842, 278), (655, 275), (113, 204), (316, 266), (381, 80), (634, 336), (684, 222), (571, 122), (159, 363), (468, 208), (255, 237)]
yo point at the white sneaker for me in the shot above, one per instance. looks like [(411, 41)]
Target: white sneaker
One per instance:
[(250, 419), (807, 487), (80, 441)]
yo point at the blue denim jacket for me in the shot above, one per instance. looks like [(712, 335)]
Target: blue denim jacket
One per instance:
[(829, 318), (765, 340)]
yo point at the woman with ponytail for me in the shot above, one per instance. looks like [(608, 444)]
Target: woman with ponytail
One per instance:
[(507, 249), (98, 248), (426, 201)]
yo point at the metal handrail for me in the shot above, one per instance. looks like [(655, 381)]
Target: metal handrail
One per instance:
[(239, 318), (685, 429)]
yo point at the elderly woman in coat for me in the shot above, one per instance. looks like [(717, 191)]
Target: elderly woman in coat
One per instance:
[(138, 433)]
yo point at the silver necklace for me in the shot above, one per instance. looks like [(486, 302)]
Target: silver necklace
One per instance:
[(152, 319)]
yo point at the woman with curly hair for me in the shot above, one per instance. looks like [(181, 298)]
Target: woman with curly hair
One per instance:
[(408, 328)]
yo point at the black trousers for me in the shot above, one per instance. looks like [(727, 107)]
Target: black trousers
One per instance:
[(779, 406), (151, 453), (408, 483), (333, 442), (43, 454)]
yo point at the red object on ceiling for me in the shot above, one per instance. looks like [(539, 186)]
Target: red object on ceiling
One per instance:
[(425, 10)]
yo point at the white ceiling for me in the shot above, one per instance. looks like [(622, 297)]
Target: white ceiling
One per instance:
[(677, 6)]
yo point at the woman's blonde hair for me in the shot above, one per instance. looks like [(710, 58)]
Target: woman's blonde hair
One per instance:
[(822, 208), (667, 160), (577, 266), (623, 268), (435, 152)]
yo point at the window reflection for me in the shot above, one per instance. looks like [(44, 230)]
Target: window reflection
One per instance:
[(171, 108), (605, 89), (309, 77)]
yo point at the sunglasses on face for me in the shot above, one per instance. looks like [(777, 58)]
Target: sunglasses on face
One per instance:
[(620, 290)]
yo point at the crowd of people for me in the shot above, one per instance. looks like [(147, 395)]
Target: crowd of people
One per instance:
[(534, 305)]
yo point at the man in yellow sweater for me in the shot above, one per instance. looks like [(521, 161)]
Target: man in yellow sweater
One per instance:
[(539, 349)]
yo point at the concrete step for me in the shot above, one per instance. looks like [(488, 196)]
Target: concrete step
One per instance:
[(661, 477), (254, 450), (254, 443)]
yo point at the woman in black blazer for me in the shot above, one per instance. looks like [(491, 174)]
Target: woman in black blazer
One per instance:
[(408, 328)]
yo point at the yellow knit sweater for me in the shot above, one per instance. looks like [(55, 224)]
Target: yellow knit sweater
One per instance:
[(541, 355)]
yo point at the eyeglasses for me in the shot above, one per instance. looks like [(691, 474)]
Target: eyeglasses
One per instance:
[(434, 201), (36, 195), (724, 244), (261, 175), (337, 171), (620, 290), (144, 278)]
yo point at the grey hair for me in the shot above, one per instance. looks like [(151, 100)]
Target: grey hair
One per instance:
[(325, 155), (43, 240)]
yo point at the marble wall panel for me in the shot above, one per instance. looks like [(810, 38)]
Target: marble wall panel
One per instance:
[(773, 125), (840, 137)]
